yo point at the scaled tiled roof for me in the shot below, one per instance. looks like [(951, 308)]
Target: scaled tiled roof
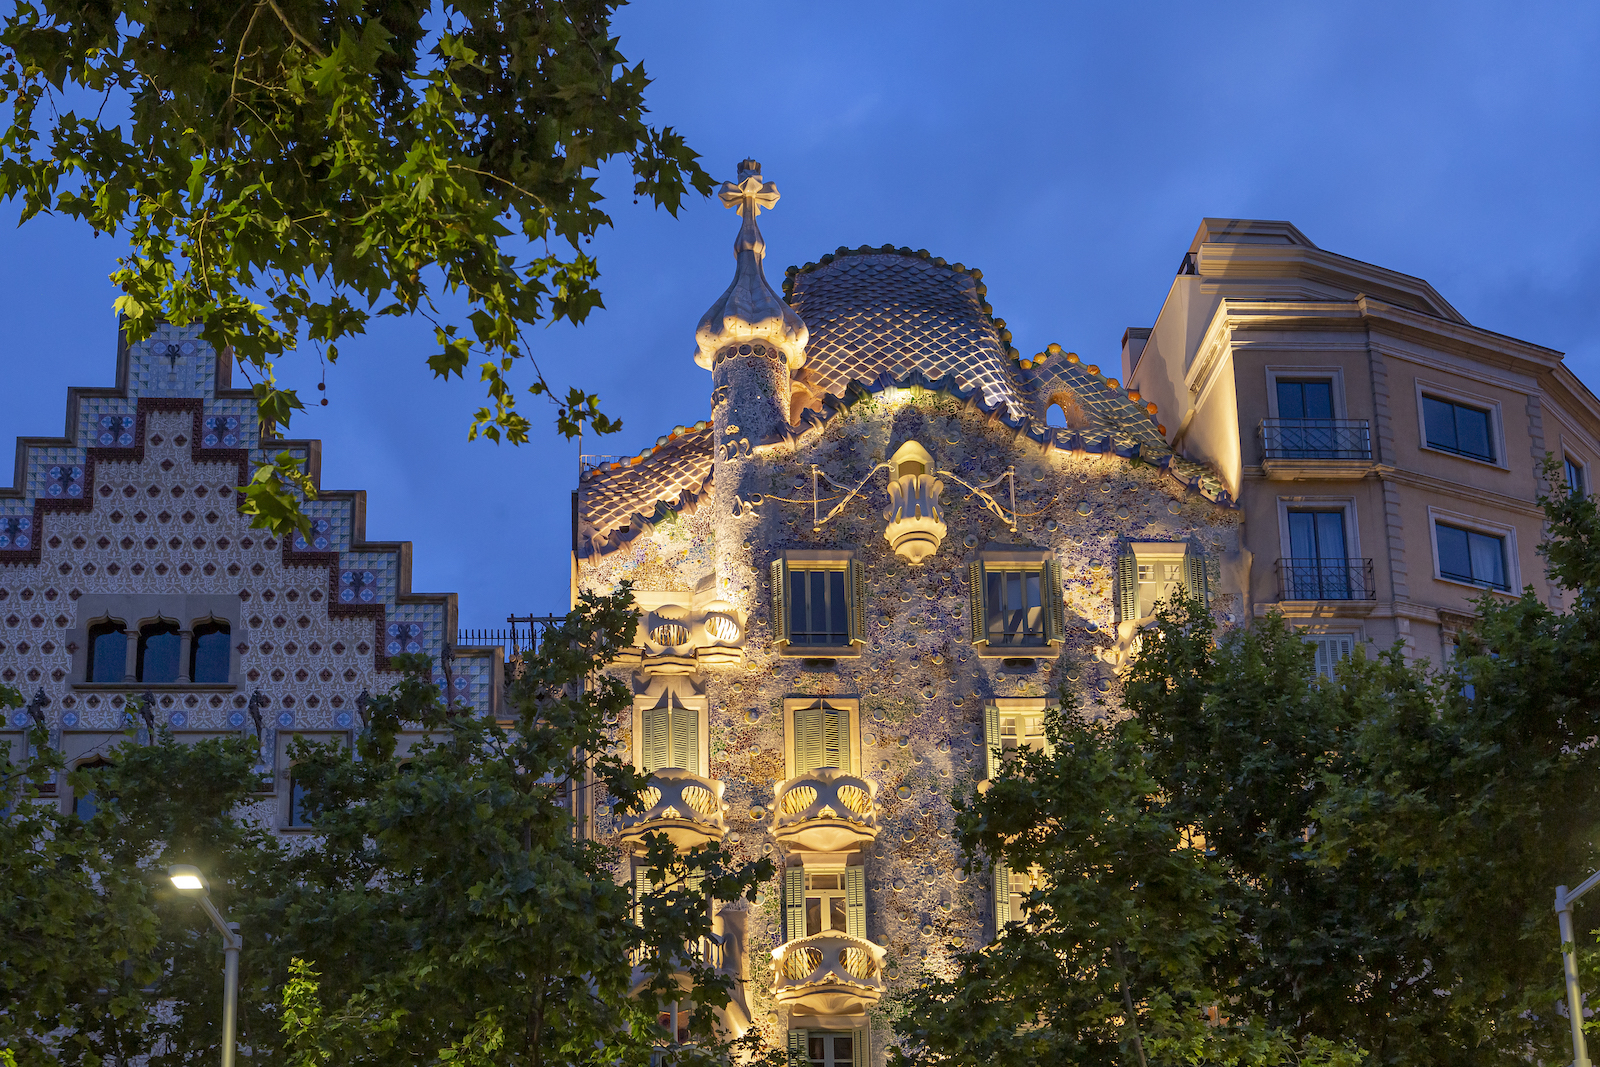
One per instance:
[(619, 501), (877, 313)]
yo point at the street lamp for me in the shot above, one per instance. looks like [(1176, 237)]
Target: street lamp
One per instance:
[(1569, 964), (187, 879)]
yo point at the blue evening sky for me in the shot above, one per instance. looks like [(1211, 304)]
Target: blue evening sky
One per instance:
[(1069, 150)]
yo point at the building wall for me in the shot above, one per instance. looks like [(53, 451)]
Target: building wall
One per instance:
[(133, 515), (920, 682)]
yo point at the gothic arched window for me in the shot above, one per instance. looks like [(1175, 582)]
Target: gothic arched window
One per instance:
[(159, 646), (108, 652), (208, 654)]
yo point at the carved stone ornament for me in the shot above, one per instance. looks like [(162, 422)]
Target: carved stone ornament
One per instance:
[(916, 520), (682, 633)]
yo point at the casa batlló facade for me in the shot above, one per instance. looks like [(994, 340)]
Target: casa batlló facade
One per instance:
[(867, 573)]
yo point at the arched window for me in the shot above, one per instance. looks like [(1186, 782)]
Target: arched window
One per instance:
[(108, 652), (208, 654), (159, 645), (84, 802)]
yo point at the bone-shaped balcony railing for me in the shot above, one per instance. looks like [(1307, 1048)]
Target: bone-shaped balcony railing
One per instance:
[(830, 973), (825, 810), (709, 951), (681, 804)]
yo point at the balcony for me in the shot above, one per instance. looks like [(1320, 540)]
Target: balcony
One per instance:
[(1325, 579), (709, 951), (681, 804), (828, 974), (825, 810), (1315, 448)]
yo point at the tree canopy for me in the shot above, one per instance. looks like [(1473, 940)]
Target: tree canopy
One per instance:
[(1258, 864), (443, 910), (284, 170)]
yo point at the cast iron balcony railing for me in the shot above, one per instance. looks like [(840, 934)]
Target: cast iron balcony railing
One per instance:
[(681, 804), (1316, 439), (1325, 579), (831, 973), (825, 810)]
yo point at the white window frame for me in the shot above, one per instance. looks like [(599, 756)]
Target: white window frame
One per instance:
[(1497, 428), (1317, 637), (1336, 374), (1507, 533), (850, 704)]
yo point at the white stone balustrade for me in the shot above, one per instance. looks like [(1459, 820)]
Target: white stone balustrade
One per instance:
[(825, 810), (830, 973), (687, 808)]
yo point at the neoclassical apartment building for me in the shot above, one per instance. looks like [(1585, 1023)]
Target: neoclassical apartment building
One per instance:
[(1385, 453)]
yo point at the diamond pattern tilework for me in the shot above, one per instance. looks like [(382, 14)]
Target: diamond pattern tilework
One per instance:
[(871, 315), (675, 472)]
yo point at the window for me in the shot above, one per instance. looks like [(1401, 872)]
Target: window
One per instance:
[(159, 647), (1318, 564), (85, 802), (209, 654), (818, 604), (643, 887), (669, 736), (1150, 572), (108, 652), (1330, 649), (1312, 399), (1011, 888), (824, 900), (1574, 478), (1471, 556), (300, 810), (1457, 428), (821, 734), (828, 1048), (1011, 724), (1015, 603)]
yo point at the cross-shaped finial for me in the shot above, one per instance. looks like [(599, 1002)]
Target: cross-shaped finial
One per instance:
[(749, 194)]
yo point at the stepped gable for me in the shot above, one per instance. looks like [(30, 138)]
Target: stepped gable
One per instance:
[(139, 500), (618, 501), (886, 313)]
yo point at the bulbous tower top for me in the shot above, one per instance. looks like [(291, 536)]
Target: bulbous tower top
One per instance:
[(749, 310)]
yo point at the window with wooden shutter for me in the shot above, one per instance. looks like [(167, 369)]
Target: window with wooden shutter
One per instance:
[(1330, 649), (641, 889), (780, 611), (855, 901), (858, 602), (978, 628), (1055, 619), (991, 740), (1002, 896), (808, 739), (669, 736), (835, 738), (685, 727), (1195, 571), (655, 748), (794, 903), (798, 1052), (821, 735), (1127, 589)]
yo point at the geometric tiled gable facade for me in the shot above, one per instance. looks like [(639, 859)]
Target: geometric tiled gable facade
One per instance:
[(136, 507)]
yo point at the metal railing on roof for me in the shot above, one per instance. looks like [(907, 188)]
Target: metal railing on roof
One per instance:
[(523, 633)]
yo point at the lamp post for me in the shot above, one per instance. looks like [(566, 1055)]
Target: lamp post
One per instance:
[(189, 880), (1569, 964)]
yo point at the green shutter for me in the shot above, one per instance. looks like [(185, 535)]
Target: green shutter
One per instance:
[(794, 901), (686, 739), (991, 739), (855, 901), (1049, 746), (1127, 589), (798, 1053), (808, 740), (655, 746), (696, 884), (859, 1053), (1195, 572), (857, 580), (836, 738), (641, 889), (979, 630), (780, 594), (1055, 608), (1002, 896)]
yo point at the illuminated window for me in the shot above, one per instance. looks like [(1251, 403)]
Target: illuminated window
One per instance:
[(818, 604), (669, 736), (1149, 572), (1015, 599), (824, 900), (1011, 724)]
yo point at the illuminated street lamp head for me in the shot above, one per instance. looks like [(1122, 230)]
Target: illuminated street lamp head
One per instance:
[(187, 878)]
